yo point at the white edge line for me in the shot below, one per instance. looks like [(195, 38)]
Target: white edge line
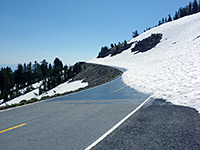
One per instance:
[(116, 126)]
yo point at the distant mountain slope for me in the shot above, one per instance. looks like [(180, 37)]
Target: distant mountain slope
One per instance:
[(170, 70)]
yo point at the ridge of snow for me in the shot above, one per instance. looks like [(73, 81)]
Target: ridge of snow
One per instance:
[(171, 70)]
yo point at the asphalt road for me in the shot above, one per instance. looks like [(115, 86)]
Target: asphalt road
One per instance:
[(156, 126), (68, 122)]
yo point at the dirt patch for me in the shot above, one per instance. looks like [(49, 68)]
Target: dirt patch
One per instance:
[(96, 74)]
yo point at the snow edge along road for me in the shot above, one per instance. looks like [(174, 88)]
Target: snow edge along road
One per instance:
[(116, 126)]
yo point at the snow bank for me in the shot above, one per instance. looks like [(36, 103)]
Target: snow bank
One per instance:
[(65, 87), (60, 89), (27, 96), (171, 70)]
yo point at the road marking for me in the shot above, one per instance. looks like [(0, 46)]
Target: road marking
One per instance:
[(13, 127), (119, 89), (116, 126)]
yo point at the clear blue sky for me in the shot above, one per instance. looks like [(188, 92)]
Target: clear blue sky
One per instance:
[(73, 30)]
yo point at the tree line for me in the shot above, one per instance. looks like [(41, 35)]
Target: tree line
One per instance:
[(114, 49), (191, 8), (51, 75)]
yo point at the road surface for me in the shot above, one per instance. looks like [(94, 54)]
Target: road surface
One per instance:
[(158, 125), (69, 122)]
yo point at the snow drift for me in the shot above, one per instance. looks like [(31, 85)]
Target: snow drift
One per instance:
[(171, 70)]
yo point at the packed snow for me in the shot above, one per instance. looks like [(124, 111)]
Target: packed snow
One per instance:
[(60, 89), (65, 87), (171, 70)]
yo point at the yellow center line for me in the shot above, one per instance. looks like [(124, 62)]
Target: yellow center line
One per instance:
[(119, 89), (13, 127)]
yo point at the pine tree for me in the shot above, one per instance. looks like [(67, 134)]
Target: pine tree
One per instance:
[(195, 7), (30, 74), (44, 69), (135, 34), (199, 5), (159, 23), (40, 90), (163, 20), (125, 42), (176, 16), (37, 73), (169, 18), (190, 8), (58, 63), (185, 12), (181, 12), (103, 52), (19, 75), (65, 72)]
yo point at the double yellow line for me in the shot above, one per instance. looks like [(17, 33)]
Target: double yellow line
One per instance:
[(13, 127)]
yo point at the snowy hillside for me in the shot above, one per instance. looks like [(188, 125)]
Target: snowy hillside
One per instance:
[(60, 89), (171, 70)]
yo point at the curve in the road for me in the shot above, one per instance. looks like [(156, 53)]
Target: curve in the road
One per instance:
[(69, 122)]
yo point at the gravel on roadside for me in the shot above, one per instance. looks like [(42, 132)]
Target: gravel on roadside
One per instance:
[(158, 125)]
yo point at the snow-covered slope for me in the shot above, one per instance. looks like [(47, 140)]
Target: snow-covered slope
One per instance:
[(65, 87), (171, 70), (60, 89)]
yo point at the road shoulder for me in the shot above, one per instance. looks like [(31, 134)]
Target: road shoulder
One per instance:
[(157, 125)]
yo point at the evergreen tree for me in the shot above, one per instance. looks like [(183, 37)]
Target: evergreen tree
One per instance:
[(125, 42), (65, 72), (30, 74), (176, 16), (169, 18), (135, 34), (190, 8), (199, 6), (40, 90), (58, 63), (195, 7), (159, 23), (163, 20), (44, 68), (37, 72), (181, 14), (103, 52), (185, 12), (6, 83), (19, 75)]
